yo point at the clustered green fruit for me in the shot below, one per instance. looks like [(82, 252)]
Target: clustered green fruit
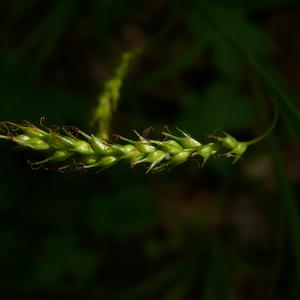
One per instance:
[(84, 151)]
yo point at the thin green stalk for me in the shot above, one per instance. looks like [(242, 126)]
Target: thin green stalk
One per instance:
[(268, 132)]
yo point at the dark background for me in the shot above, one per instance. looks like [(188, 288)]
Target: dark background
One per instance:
[(219, 232)]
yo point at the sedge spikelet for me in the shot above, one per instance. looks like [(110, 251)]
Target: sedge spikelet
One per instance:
[(86, 151), (73, 147)]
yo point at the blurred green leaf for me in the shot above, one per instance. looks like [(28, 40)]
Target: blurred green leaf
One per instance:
[(250, 37), (253, 4), (289, 203), (181, 289), (7, 199), (48, 272), (108, 15), (20, 7), (82, 264), (31, 103), (154, 248), (217, 283), (171, 69), (44, 37), (64, 255), (219, 107), (152, 284), (122, 214)]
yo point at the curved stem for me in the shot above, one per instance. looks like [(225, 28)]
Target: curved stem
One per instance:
[(264, 135)]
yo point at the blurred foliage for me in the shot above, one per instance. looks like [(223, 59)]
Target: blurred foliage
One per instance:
[(221, 232)]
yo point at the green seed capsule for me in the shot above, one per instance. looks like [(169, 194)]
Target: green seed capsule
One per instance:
[(143, 146), (239, 150), (179, 158), (21, 138), (154, 158), (58, 142), (228, 141), (174, 161), (33, 143), (90, 160), (82, 147), (186, 141), (108, 161), (104, 162), (30, 130), (59, 155), (34, 132), (99, 146), (36, 144), (170, 146), (130, 152), (205, 151)]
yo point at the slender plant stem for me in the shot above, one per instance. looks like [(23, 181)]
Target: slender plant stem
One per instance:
[(265, 134)]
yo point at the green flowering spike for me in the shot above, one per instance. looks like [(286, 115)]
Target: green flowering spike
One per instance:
[(93, 152), (186, 141), (206, 151)]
